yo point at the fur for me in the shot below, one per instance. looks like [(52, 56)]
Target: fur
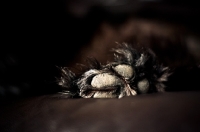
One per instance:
[(143, 63)]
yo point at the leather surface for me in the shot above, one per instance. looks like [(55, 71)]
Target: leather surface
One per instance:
[(167, 112)]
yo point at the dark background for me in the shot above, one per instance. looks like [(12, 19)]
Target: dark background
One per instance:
[(37, 36)]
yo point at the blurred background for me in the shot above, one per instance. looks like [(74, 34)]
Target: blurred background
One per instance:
[(37, 36)]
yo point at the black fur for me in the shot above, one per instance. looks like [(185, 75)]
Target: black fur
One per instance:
[(144, 63)]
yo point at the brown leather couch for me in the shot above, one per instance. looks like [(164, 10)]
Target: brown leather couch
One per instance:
[(168, 112)]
